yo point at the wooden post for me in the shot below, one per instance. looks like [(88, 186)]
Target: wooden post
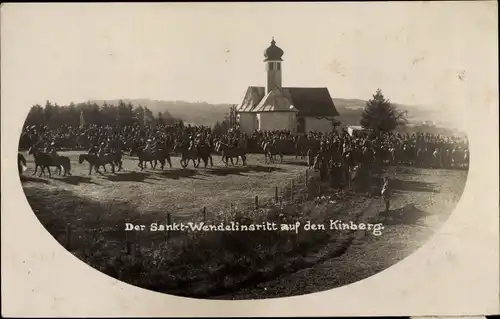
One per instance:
[(319, 189), (276, 194), (204, 213), (256, 202), (307, 177), (68, 236)]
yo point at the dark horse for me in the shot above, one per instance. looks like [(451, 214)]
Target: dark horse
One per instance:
[(271, 149), (205, 152), (189, 155), (149, 156), (21, 163), (228, 153), (46, 161), (117, 159), (95, 161)]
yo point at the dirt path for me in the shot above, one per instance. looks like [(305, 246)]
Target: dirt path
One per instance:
[(423, 200)]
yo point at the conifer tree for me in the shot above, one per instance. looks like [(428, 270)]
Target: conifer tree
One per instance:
[(380, 115)]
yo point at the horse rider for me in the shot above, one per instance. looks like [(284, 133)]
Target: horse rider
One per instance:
[(234, 141), (197, 139), (94, 149), (242, 142), (51, 150), (208, 140), (118, 145), (190, 143), (201, 141), (150, 145), (114, 143), (102, 150)]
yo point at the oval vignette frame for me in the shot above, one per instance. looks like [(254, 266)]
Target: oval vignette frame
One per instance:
[(90, 224)]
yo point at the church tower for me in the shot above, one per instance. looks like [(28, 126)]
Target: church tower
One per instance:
[(273, 61)]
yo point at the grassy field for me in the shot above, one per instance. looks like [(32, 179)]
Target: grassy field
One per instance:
[(175, 190), (236, 265), (423, 201)]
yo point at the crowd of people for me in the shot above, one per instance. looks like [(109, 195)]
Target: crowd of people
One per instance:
[(331, 146)]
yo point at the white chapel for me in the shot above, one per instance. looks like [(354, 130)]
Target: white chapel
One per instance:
[(274, 107)]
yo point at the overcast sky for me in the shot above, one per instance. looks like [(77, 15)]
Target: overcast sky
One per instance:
[(417, 53)]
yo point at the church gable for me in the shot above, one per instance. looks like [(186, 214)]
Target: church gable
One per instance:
[(275, 101), (251, 99)]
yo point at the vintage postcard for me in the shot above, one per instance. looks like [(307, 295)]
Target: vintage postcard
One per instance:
[(250, 159)]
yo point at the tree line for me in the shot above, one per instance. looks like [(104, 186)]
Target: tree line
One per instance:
[(54, 115), (379, 115)]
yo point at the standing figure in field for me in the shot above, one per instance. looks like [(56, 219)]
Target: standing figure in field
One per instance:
[(436, 158), (386, 194)]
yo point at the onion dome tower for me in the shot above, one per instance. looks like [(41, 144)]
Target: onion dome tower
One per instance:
[(273, 58)]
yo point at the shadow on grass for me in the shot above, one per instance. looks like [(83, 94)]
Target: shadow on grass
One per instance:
[(128, 177), (407, 215), (76, 180), (25, 179), (295, 163), (401, 185), (238, 170), (177, 173), (56, 209)]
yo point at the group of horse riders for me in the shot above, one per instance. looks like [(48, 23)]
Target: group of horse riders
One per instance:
[(333, 146)]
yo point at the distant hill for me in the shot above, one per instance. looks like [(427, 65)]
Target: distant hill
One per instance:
[(195, 113), (350, 112), (203, 113)]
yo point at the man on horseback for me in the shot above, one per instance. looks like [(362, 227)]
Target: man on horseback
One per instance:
[(150, 145), (114, 143), (94, 149), (242, 142), (51, 150), (102, 150), (209, 140), (192, 143), (199, 141)]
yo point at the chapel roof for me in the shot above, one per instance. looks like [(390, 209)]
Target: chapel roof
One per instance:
[(309, 101), (276, 101)]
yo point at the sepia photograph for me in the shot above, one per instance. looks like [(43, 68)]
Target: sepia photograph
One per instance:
[(245, 152)]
